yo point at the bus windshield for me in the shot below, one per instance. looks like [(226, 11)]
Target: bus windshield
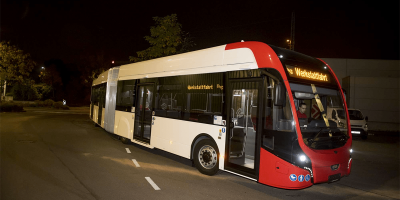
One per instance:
[(322, 122)]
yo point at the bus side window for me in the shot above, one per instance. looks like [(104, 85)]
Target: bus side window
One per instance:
[(125, 95), (204, 97), (97, 94), (169, 101)]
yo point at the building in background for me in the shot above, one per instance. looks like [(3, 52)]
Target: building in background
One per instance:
[(373, 86)]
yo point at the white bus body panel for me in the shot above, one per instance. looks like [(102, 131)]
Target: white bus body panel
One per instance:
[(124, 124), (238, 56), (210, 60), (176, 136)]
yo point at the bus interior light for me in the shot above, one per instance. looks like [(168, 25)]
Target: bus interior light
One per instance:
[(302, 95)]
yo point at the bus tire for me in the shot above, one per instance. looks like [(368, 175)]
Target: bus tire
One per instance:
[(206, 157), (125, 140)]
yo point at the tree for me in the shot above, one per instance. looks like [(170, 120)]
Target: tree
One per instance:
[(167, 38), (25, 91), (93, 66), (51, 75), (15, 65)]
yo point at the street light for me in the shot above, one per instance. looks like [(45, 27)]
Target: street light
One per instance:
[(289, 44), (41, 70)]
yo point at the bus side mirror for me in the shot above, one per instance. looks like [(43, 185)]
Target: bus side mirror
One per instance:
[(279, 95)]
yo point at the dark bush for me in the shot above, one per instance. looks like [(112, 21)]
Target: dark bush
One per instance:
[(17, 107), (28, 104), (39, 103), (65, 107), (5, 107), (11, 107), (48, 103), (57, 104)]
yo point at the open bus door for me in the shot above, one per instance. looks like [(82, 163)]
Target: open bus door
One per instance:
[(244, 101)]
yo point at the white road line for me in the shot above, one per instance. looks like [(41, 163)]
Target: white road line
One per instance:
[(135, 162), (127, 150), (152, 183)]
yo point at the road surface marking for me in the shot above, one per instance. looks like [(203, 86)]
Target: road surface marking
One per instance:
[(135, 162), (152, 183), (127, 150)]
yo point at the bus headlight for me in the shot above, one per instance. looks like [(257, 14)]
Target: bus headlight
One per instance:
[(302, 158), (299, 158), (351, 150)]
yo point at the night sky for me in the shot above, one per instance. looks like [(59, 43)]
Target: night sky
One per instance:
[(67, 29)]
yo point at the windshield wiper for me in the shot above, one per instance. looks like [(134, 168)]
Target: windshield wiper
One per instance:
[(316, 135), (343, 137)]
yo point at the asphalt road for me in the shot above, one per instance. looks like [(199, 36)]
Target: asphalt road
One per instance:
[(52, 154)]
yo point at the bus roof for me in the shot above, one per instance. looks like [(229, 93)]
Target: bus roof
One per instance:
[(230, 57)]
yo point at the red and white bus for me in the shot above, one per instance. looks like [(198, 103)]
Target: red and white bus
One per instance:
[(233, 108)]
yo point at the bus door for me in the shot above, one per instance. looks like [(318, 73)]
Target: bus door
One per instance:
[(143, 110), (101, 102), (242, 143)]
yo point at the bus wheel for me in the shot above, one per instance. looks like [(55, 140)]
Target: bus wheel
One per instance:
[(206, 157), (125, 140)]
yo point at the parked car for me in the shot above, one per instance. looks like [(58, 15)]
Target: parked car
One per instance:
[(358, 122)]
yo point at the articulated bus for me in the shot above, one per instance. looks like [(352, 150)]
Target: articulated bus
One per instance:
[(233, 108)]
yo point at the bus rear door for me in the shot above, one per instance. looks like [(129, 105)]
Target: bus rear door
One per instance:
[(143, 112)]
